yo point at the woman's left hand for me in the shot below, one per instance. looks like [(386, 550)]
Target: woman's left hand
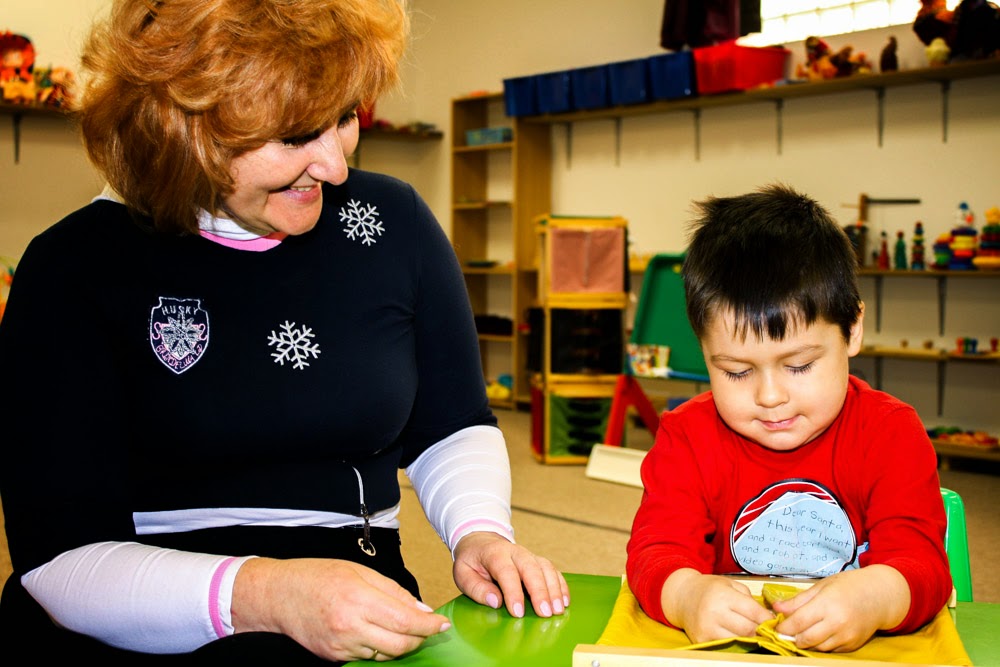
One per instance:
[(493, 571)]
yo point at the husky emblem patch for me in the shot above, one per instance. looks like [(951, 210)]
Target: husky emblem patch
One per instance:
[(178, 332)]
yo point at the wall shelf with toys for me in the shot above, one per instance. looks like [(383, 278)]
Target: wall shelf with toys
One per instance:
[(927, 352), (26, 90), (966, 254), (964, 445)]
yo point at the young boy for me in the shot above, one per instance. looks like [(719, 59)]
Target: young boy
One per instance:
[(789, 466)]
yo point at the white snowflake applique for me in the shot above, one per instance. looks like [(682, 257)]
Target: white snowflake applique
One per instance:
[(362, 222), (294, 345)]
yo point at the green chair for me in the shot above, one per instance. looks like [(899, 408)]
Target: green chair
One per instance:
[(956, 544)]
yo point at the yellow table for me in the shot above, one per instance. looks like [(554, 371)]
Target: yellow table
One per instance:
[(485, 637)]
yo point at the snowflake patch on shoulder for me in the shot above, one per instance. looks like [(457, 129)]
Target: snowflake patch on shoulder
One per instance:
[(178, 332), (362, 222), (293, 345)]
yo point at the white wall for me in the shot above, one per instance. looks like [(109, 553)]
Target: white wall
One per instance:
[(53, 176), (829, 150)]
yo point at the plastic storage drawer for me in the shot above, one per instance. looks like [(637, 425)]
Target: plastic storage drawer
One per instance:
[(671, 76), (730, 67), (628, 82), (520, 97), (553, 92), (589, 87)]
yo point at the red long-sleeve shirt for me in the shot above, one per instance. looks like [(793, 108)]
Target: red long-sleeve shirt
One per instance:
[(865, 491)]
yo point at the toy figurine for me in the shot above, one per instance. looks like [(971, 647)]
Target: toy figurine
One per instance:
[(888, 60), (964, 240), (823, 63), (17, 59), (899, 255), (858, 235), (969, 32), (883, 254), (934, 21), (917, 262), (942, 251), (55, 87), (964, 216), (937, 52), (989, 238)]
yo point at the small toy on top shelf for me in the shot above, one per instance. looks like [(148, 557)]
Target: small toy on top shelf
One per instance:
[(934, 21), (823, 63), (888, 60), (899, 254), (988, 256), (917, 262), (858, 235), (969, 32), (17, 60), (964, 240), (942, 252), (938, 52), (882, 258), (55, 87)]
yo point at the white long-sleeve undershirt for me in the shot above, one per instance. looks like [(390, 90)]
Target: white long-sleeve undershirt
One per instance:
[(157, 600), (463, 484)]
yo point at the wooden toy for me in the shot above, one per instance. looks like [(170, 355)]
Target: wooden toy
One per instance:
[(899, 254)]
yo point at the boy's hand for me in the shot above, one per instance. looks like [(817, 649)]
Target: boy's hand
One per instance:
[(841, 612), (709, 606)]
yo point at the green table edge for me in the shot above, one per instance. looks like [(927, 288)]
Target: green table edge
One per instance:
[(484, 637)]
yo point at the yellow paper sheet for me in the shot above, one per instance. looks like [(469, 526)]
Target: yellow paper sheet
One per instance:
[(937, 643)]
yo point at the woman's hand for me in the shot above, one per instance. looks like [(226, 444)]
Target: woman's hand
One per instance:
[(339, 610), (709, 607), (842, 611), (492, 570)]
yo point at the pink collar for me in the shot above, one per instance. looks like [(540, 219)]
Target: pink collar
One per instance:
[(259, 244)]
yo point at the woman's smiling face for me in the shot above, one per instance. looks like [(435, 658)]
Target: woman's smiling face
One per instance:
[(278, 187)]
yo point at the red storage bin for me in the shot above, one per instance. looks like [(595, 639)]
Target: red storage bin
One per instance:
[(729, 66)]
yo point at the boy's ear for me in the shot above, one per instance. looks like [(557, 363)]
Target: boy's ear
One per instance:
[(857, 332)]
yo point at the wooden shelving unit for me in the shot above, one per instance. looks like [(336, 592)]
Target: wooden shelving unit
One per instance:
[(497, 190), (946, 450), (577, 380)]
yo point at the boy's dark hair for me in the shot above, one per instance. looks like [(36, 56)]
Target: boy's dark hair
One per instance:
[(774, 258)]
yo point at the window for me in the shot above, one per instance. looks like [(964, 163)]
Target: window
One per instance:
[(794, 20)]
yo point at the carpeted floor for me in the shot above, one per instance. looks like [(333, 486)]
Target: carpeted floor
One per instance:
[(582, 524)]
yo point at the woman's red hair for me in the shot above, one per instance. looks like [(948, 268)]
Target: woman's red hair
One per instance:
[(175, 89)]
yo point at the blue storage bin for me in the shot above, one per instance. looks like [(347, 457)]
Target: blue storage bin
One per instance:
[(520, 97), (628, 82), (589, 87), (553, 92), (671, 75)]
